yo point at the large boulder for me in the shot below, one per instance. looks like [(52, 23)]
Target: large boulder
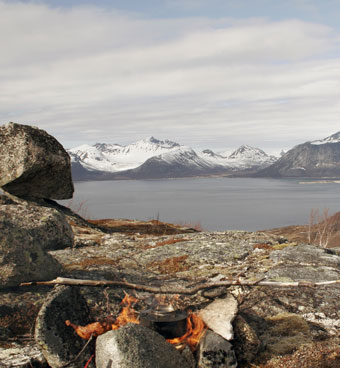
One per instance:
[(33, 163), (21, 256), (47, 226), (59, 343), (215, 351), (136, 346)]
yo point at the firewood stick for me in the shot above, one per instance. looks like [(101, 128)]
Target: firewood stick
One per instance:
[(184, 291)]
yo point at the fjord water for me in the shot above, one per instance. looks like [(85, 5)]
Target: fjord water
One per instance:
[(217, 203)]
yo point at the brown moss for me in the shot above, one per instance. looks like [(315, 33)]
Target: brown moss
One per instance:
[(262, 246), (170, 265), (97, 261), (165, 242)]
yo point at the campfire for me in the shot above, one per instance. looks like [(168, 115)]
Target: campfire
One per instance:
[(177, 326)]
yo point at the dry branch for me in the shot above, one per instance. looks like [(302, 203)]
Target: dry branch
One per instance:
[(185, 291)]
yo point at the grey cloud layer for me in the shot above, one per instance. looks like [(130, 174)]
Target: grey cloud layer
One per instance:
[(87, 75)]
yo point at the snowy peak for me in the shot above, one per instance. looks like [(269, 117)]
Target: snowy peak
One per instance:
[(104, 147), (185, 156), (246, 157), (114, 157), (248, 152), (152, 143), (165, 143), (334, 138), (152, 154)]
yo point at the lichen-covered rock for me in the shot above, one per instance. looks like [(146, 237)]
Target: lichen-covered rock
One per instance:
[(21, 256), (136, 346), (58, 342), (215, 352), (184, 260), (33, 163), (304, 253), (47, 226), (246, 342)]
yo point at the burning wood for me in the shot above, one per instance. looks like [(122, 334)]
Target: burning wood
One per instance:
[(93, 329), (195, 331), (195, 327), (128, 314)]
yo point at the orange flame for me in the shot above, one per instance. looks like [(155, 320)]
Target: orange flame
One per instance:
[(195, 325), (195, 331), (128, 314)]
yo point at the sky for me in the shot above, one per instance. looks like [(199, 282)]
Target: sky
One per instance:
[(204, 73)]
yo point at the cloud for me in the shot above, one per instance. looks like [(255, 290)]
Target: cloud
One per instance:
[(85, 75)]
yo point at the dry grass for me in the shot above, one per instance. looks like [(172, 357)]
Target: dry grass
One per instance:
[(80, 207), (153, 227), (307, 233), (191, 225)]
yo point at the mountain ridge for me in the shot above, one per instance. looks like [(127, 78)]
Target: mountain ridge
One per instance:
[(319, 158), (153, 158)]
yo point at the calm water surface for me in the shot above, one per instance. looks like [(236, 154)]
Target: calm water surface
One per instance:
[(216, 203)]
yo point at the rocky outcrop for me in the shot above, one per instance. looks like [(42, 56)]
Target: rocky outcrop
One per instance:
[(33, 163), (47, 226), (21, 256), (136, 346), (34, 166), (273, 322)]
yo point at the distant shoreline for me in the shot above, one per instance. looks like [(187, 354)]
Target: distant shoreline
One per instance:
[(320, 182)]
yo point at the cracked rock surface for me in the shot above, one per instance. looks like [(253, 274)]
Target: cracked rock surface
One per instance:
[(271, 321)]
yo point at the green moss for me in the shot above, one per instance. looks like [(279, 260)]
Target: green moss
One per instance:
[(284, 245), (286, 333), (287, 324), (286, 345)]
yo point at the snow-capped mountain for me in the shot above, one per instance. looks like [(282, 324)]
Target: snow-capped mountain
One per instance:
[(214, 158), (334, 138), (153, 158), (246, 157), (180, 162), (311, 159), (114, 157)]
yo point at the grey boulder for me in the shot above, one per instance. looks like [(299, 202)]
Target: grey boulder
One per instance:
[(215, 352), (33, 163), (138, 347), (21, 257), (59, 343), (47, 226)]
